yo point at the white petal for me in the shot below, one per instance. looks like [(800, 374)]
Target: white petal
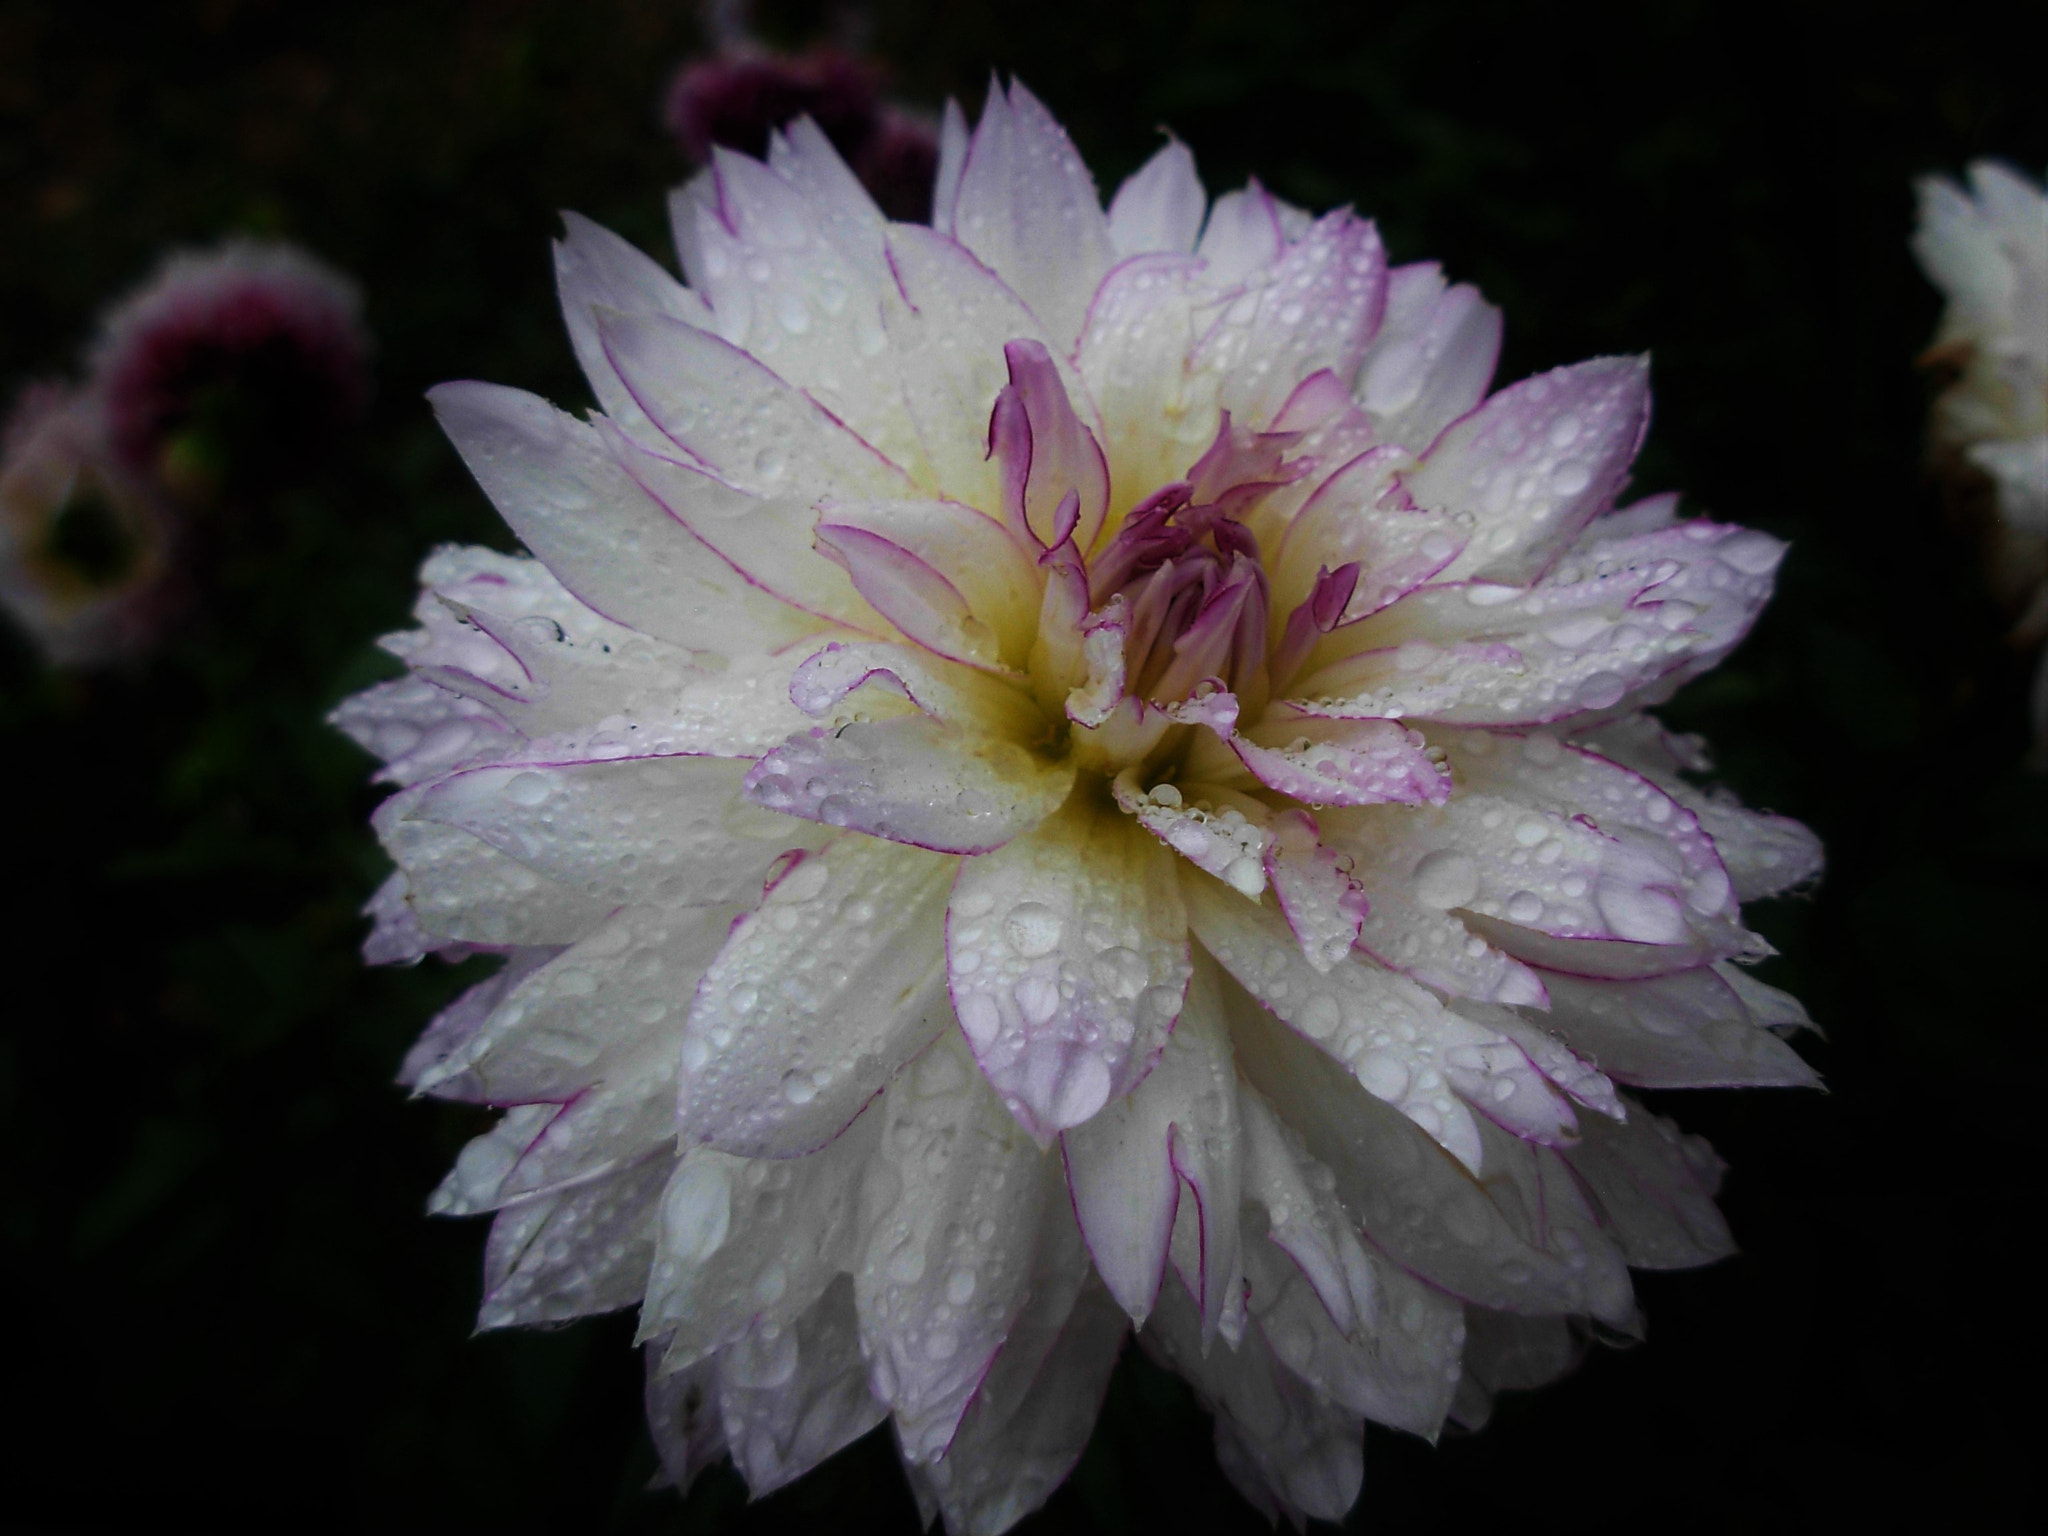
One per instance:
[(683, 1419), (1536, 462), (816, 999), (574, 1254), (1432, 359), (553, 1032), (1341, 762), (1160, 206), (419, 730), (996, 582), (595, 269), (1505, 1353), (1223, 840), (743, 1243), (1434, 946), (1323, 905), (1068, 956), (561, 491), (1535, 1189), (459, 887), (913, 781), (1306, 1453), (1687, 1030), (1243, 234), (793, 1394), (668, 830), (1655, 1188), (1156, 421), (953, 141), (450, 1030), (1028, 207), (953, 1211), (1416, 1203), (1126, 1168)]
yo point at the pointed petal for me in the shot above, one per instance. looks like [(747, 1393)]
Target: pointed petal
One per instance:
[(995, 582), (1205, 826), (1133, 353), (954, 1211), (683, 1419), (1160, 206), (1342, 762), (574, 1254), (595, 269), (795, 1394), (1432, 359), (816, 1000), (1243, 235), (1688, 1030), (1323, 905), (1047, 454), (953, 140), (1029, 209), (459, 887), (1655, 1188), (1068, 956), (1505, 1353), (1536, 462)]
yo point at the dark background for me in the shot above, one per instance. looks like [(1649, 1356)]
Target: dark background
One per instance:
[(222, 1297)]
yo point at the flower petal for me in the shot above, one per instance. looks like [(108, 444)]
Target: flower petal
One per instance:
[(1133, 353), (1160, 205), (729, 413), (683, 1420), (1687, 1030), (1536, 462), (1434, 946), (792, 1395), (1315, 308), (1069, 960), (1028, 207), (458, 887), (595, 269), (1416, 1203), (1047, 454), (419, 730), (1506, 1353), (1243, 234), (1323, 905), (1209, 827), (576, 1253), (816, 999), (1358, 514), (1655, 1186), (727, 1260), (1126, 1168), (912, 781), (954, 1210), (1342, 762), (562, 492), (995, 581), (1432, 359)]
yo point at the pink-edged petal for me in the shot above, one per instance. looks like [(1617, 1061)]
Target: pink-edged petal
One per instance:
[(1547, 1203), (768, 543), (1359, 516), (562, 1027), (1026, 1431), (1773, 1009), (1323, 905), (1029, 209), (450, 1030), (816, 999), (958, 695), (1687, 1030), (1315, 308), (1655, 1189), (948, 324), (419, 730), (727, 1256), (1127, 1169), (1069, 652), (915, 781), (669, 830), (1417, 1204), (1214, 829), (794, 1394), (1286, 1446), (1536, 463), (576, 1253), (955, 1204), (1403, 1046), (459, 887), (1133, 353), (563, 493), (730, 413), (1069, 960), (1617, 622), (1342, 762), (887, 546), (1046, 453), (954, 138), (595, 269), (1159, 207), (1432, 359)]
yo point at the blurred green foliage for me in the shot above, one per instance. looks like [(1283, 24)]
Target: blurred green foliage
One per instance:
[(226, 1301)]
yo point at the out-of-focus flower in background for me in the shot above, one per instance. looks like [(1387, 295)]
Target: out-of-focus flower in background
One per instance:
[(1063, 772), (243, 363), (1987, 250), (735, 99), (85, 542)]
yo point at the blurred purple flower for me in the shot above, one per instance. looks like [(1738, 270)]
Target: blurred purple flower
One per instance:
[(737, 98), (86, 544), (255, 343)]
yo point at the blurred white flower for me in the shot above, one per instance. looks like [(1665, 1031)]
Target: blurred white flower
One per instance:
[(1987, 250), (1062, 772)]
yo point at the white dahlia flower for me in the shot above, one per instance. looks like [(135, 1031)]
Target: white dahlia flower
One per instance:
[(1063, 775)]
